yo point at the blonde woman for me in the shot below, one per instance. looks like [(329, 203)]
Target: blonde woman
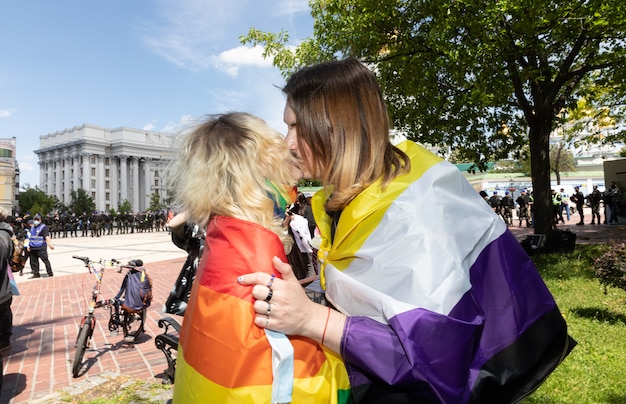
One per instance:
[(225, 178)]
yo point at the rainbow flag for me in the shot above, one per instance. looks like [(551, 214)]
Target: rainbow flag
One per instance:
[(445, 305), (222, 356)]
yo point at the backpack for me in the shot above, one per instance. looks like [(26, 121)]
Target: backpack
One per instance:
[(138, 287), (17, 259)]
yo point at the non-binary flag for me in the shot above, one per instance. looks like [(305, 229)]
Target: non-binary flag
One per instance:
[(444, 304)]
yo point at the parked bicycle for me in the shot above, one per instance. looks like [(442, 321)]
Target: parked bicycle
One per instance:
[(132, 323)]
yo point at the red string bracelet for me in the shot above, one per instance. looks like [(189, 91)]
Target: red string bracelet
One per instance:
[(325, 326)]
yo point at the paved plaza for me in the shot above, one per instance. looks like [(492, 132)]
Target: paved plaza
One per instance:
[(48, 312)]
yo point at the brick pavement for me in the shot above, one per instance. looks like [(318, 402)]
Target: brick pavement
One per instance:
[(47, 315), (49, 310)]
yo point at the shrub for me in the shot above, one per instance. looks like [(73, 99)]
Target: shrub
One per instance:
[(611, 267)]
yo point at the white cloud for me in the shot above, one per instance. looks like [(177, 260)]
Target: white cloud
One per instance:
[(5, 113), (189, 30), (192, 34), (149, 126), (291, 7), (231, 60), (184, 122)]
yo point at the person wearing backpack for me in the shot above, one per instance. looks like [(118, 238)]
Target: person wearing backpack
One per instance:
[(6, 296)]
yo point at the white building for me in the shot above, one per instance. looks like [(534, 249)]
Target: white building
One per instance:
[(111, 165), (9, 175)]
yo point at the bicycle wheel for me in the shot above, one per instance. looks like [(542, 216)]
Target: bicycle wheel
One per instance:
[(81, 344), (133, 324)]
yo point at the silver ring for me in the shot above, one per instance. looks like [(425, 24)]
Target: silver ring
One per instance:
[(269, 296), (269, 309), (267, 320), (269, 284)]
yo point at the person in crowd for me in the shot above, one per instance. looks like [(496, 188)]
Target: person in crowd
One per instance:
[(579, 199), (494, 202), (523, 203), (433, 299), (506, 208), (38, 243), (564, 203), (611, 196), (556, 207), (594, 199), (6, 296), (230, 177)]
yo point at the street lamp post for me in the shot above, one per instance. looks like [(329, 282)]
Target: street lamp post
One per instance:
[(512, 188)]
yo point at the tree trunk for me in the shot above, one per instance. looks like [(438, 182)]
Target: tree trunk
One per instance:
[(539, 139)]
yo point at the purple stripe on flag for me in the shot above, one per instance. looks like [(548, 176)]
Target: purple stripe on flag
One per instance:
[(448, 351)]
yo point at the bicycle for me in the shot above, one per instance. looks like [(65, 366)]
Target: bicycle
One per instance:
[(131, 323)]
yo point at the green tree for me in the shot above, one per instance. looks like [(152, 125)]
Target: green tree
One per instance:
[(484, 78), (81, 202), (561, 160), (155, 202), (34, 200), (125, 207)]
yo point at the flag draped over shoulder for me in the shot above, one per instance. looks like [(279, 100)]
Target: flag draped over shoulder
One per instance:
[(222, 356), (444, 304)]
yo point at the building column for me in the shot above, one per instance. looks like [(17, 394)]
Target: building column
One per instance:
[(76, 176), (100, 192), (113, 179), (67, 178), (50, 171), (147, 180), (87, 173), (58, 175), (123, 178), (135, 182)]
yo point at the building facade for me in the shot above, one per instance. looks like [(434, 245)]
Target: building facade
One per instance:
[(111, 165), (9, 175)]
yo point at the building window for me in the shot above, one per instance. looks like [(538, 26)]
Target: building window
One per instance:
[(107, 184), (107, 173), (93, 195), (93, 171), (93, 183), (156, 173), (107, 196), (107, 161), (92, 159)]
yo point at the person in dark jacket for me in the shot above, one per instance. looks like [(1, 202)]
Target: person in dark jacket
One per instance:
[(38, 244), (6, 297)]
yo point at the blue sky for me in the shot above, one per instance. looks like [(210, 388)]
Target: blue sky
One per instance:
[(147, 64)]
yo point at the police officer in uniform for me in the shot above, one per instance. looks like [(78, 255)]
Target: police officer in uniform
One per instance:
[(38, 244)]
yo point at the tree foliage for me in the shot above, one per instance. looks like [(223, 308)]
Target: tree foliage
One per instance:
[(34, 200), (155, 202), (81, 202), (561, 160), (484, 78), (125, 207)]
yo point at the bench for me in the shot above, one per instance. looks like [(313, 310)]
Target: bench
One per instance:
[(167, 342)]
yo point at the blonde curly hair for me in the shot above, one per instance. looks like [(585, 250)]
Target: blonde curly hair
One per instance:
[(226, 166)]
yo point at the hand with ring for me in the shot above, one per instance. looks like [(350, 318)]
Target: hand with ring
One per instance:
[(283, 296)]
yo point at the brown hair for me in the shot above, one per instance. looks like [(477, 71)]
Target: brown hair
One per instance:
[(342, 117)]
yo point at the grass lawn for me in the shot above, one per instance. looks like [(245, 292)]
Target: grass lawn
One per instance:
[(595, 371)]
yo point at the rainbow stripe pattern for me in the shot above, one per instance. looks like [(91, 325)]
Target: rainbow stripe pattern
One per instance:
[(223, 357)]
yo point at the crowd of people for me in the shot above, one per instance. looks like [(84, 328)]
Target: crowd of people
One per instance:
[(564, 205), (94, 224)]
